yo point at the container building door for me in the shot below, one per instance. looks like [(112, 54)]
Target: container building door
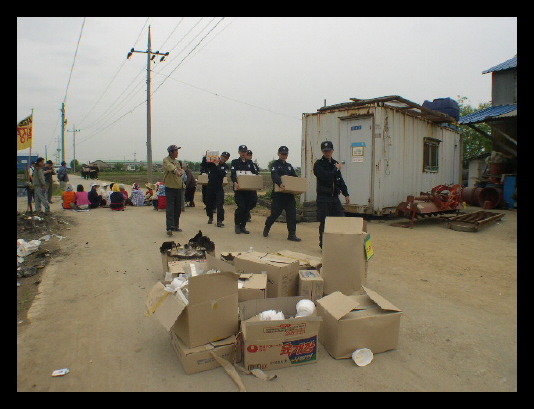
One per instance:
[(356, 157)]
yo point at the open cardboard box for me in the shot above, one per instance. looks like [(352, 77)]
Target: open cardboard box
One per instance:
[(357, 321), (199, 358), (344, 258), (208, 314), (306, 262), (293, 184), (311, 284), (282, 272), (252, 286), (277, 344)]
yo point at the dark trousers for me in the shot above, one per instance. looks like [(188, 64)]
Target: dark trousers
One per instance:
[(215, 199), (245, 201), (330, 207), (280, 202), (190, 195), (174, 208)]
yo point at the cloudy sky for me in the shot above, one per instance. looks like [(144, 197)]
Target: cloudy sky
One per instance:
[(231, 81)]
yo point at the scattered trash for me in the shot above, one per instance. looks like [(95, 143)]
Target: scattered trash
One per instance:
[(271, 315), (305, 308), (60, 372), (24, 248), (362, 356)]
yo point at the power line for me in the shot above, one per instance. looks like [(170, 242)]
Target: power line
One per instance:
[(175, 68), (72, 67), (113, 78)]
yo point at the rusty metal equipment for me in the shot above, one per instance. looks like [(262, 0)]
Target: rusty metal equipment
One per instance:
[(442, 199), (473, 221)]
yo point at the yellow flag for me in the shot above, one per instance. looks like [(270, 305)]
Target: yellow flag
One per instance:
[(25, 133)]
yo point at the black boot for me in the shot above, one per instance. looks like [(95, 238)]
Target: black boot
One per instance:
[(243, 230), (237, 229), (266, 231), (292, 237)]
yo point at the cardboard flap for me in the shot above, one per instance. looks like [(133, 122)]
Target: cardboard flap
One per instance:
[(218, 264), (277, 259), (253, 281), (345, 225), (209, 287), (381, 301), (338, 304), (164, 305)]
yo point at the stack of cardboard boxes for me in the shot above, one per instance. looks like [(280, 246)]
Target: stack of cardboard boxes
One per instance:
[(219, 309)]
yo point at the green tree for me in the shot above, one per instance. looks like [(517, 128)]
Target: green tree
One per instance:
[(474, 143)]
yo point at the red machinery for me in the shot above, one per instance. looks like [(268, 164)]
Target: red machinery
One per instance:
[(440, 200)]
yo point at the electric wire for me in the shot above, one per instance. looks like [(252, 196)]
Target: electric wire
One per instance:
[(74, 61), (114, 76)]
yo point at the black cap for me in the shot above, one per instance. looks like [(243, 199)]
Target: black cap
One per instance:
[(242, 148), (249, 152), (283, 149), (225, 154), (327, 146)]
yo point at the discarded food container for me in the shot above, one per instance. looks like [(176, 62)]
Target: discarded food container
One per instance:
[(362, 356), (305, 308), (60, 372), (272, 315)]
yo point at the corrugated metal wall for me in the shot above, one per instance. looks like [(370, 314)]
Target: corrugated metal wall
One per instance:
[(397, 154)]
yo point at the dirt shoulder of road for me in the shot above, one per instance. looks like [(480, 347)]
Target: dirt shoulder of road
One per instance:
[(457, 291)]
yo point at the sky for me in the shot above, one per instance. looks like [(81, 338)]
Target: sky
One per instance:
[(229, 81)]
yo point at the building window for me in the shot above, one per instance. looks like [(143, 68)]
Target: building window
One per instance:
[(431, 155)]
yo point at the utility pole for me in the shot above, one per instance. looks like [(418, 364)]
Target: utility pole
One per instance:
[(74, 130), (63, 123), (150, 56)]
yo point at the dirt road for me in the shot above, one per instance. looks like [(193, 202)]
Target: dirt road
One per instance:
[(457, 291)]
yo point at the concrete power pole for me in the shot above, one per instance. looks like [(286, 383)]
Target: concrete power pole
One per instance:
[(63, 123), (74, 130), (150, 56)]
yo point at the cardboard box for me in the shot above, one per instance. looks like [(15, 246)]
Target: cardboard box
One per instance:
[(199, 359), (357, 321), (208, 314), (169, 256), (202, 179), (311, 284), (250, 182), (251, 286), (344, 261), (211, 156), (306, 262), (277, 344), (282, 272), (293, 184)]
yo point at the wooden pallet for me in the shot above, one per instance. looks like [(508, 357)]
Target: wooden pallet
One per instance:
[(473, 221)]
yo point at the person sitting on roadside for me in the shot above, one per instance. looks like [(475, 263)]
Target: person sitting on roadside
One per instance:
[(127, 200), (149, 195), (110, 192), (116, 198), (69, 198), (137, 197), (104, 193), (95, 199), (162, 198), (82, 198)]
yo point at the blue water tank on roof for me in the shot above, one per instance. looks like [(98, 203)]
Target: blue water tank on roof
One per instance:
[(446, 105)]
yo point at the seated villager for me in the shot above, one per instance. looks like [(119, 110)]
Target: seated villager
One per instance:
[(94, 197), (116, 198), (137, 197)]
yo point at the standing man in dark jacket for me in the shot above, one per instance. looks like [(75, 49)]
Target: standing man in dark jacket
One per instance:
[(217, 170), (244, 199), (330, 184), (280, 200)]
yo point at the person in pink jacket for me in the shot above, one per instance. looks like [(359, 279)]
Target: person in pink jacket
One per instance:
[(82, 198)]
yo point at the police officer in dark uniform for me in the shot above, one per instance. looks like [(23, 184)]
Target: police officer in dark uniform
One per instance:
[(244, 199), (217, 170), (249, 156), (280, 200), (329, 184)]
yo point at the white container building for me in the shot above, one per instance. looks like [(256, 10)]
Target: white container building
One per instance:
[(389, 148)]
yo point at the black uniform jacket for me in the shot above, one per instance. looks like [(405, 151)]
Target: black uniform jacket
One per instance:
[(329, 180)]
